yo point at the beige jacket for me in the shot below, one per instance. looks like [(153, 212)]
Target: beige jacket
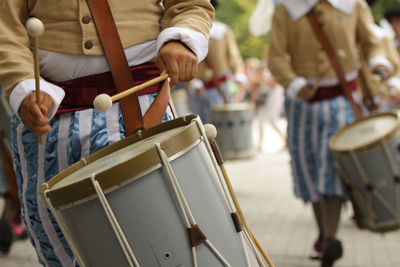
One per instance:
[(223, 54), (296, 51), (376, 85), (69, 26)]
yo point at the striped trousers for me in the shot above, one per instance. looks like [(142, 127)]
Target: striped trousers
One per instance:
[(73, 135), (310, 127)]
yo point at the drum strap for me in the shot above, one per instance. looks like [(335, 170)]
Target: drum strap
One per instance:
[(121, 73), (334, 61)]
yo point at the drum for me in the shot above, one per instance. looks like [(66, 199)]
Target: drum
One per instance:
[(367, 156), (181, 101), (155, 198), (234, 124)]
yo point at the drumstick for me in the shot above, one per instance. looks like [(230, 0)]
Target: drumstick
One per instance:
[(103, 102), (211, 133), (35, 28)]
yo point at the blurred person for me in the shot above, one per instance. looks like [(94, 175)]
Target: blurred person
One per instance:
[(11, 227), (393, 17), (378, 93), (315, 105), (220, 73)]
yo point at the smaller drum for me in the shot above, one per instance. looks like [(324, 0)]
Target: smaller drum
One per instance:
[(367, 156), (181, 101), (234, 124)]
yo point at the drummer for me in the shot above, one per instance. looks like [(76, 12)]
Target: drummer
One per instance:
[(315, 104), (173, 35), (219, 73), (384, 92)]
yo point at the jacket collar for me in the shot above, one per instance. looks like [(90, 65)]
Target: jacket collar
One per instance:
[(298, 8)]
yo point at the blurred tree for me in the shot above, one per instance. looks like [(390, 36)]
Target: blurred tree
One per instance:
[(381, 6), (236, 14)]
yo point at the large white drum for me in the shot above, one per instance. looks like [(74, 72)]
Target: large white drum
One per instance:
[(367, 156), (234, 124), (153, 199)]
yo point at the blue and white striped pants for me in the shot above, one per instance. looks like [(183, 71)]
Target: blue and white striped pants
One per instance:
[(73, 135), (310, 126)]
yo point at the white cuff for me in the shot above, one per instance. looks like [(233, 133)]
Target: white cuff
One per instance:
[(240, 77), (295, 86), (26, 87), (394, 82), (196, 41), (380, 60)]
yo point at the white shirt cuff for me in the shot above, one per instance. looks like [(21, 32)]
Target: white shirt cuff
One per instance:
[(196, 41), (240, 77), (26, 87), (379, 60), (295, 86), (394, 82)]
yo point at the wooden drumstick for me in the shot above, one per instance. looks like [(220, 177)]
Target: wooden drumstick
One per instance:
[(103, 102), (211, 133), (35, 28)]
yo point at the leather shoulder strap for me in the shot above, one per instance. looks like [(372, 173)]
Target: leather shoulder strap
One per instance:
[(334, 61), (118, 64)]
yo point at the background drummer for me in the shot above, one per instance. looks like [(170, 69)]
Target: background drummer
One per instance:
[(298, 61), (69, 50), (220, 72)]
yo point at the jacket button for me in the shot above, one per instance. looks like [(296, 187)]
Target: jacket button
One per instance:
[(86, 20), (88, 44)]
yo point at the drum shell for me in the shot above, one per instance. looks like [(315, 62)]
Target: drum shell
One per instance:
[(234, 129), (376, 198), (148, 214)]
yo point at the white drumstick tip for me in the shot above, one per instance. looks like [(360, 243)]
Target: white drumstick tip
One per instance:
[(102, 102), (34, 27), (211, 131)]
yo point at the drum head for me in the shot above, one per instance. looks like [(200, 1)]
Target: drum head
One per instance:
[(232, 107), (364, 132)]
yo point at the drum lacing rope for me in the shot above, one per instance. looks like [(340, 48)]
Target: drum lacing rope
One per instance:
[(184, 207), (62, 227), (114, 224), (228, 199), (366, 181), (392, 166)]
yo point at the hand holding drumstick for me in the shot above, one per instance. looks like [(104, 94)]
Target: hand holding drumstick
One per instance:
[(36, 105)]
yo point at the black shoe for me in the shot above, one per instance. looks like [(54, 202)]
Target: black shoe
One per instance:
[(6, 236), (333, 250)]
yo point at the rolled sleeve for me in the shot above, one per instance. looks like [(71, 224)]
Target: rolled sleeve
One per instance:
[(26, 87)]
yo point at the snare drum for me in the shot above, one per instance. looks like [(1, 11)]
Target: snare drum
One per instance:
[(234, 124), (367, 156), (153, 199)]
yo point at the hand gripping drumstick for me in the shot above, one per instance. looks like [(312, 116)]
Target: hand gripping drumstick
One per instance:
[(103, 102), (211, 133), (35, 28)]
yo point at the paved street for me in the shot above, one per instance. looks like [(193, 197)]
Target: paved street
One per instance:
[(281, 223)]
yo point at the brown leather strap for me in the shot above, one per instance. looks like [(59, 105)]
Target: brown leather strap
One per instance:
[(118, 64), (334, 61)]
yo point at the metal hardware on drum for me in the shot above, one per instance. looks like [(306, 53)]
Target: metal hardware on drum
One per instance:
[(128, 186)]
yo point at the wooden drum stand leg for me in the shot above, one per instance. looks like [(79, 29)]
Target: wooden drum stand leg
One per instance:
[(211, 134)]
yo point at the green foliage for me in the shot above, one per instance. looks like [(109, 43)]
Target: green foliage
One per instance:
[(236, 13), (381, 6)]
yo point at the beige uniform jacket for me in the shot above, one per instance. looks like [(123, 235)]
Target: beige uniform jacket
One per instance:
[(69, 28), (296, 52), (223, 56), (378, 86)]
